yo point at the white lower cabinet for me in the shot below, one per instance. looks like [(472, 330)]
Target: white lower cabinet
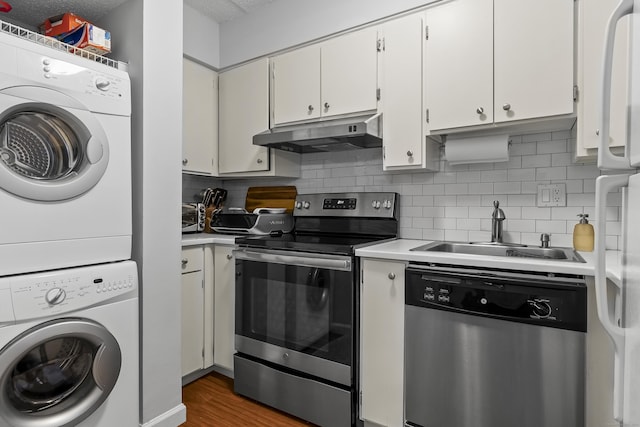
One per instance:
[(382, 342), (224, 310)]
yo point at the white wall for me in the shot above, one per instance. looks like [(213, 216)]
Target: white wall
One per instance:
[(156, 154), (201, 37), (285, 23)]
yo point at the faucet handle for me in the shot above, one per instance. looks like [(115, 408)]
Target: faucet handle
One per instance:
[(545, 239), (498, 214)]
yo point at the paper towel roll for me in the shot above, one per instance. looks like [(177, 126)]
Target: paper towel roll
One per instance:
[(481, 149)]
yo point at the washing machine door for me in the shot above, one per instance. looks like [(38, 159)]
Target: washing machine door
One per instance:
[(57, 373), (52, 147)]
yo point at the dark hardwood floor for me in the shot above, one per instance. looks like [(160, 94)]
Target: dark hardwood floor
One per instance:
[(210, 401)]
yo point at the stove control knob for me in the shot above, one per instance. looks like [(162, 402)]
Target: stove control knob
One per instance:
[(387, 204), (298, 205), (306, 204), (55, 296), (375, 204)]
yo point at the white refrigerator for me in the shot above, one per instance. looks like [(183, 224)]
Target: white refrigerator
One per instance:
[(620, 313)]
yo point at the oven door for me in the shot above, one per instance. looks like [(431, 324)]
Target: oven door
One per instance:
[(295, 310)]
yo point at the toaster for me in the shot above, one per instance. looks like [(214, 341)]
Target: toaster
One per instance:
[(193, 217)]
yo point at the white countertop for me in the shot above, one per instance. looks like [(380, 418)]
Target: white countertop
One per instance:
[(400, 250), (208, 238)]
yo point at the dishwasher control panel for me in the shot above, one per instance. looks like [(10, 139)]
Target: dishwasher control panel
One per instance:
[(533, 301)]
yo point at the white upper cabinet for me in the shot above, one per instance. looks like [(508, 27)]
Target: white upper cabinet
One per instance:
[(533, 59), (296, 88), (332, 78), (592, 21), (199, 119), (403, 131), (492, 62), (244, 112), (349, 77), (459, 64)]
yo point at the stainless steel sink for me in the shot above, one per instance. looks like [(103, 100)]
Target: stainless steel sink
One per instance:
[(502, 250)]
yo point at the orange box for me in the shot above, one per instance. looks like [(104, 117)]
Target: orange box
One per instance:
[(90, 38), (61, 24)]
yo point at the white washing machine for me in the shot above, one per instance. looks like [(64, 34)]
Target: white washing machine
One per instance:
[(69, 347), (65, 159)]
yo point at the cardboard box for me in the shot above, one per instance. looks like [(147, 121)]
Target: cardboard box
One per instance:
[(90, 38), (61, 24)]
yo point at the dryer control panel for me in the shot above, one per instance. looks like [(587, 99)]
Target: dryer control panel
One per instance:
[(46, 294)]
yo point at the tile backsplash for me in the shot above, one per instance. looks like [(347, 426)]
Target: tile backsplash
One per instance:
[(456, 203)]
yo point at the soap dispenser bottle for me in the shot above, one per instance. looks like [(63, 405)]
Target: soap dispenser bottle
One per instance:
[(583, 234)]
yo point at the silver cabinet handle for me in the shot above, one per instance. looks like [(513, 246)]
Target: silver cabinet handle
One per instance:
[(506, 107), (184, 261), (410, 153), (185, 161), (259, 161), (598, 132), (303, 259), (229, 256), (326, 105), (392, 276), (310, 108), (480, 110)]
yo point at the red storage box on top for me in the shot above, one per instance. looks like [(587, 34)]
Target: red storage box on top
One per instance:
[(61, 24)]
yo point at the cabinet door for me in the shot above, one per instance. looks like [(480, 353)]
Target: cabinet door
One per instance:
[(533, 58), (199, 119), (459, 64), (349, 73), (296, 85), (401, 88), (244, 112), (594, 15), (192, 322), (382, 342), (224, 313)]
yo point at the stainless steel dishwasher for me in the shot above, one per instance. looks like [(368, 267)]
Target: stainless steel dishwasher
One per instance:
[(494, 348)]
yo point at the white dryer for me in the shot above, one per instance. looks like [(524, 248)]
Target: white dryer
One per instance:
[(69, 347), (65, 159)]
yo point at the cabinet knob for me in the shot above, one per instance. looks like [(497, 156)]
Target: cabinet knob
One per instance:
[(184, 261), (480, 110), (506, 107), (410, 153), (598, 132), (259, 161), (229, 256), (392, 276), (310, 108), (326, 105), (185, 161)]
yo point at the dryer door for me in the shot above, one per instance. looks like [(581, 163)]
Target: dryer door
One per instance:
[(57, 373), (51, 147)]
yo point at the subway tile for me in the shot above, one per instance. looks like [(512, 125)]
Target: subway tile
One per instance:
[(456, 212), (511, 236), (522, 225), (468, 176), (433, 212), (445, 178), (422, 223), (521, 174), (445, 201), (583, 199), (432, 189), (507, 188), (422, 200), (521, 200), (536, 213), (422, 178), (481, 188), (494, 176), (412, 211), (511, 212), (403, 178), (561, 159), (515, 162), (444, 223), (536, 161), (582, 171), (530, 187), (471, 201), (456, 235), (549, 174), (522, 149), (542, 226), (550, 147), (364, 180), (412, 189), (431, 234), (468, 224), (537, 137), (479, 236), (574, 186), (454, 189)]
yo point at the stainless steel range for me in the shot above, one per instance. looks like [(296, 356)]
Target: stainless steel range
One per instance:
[(297, 306)]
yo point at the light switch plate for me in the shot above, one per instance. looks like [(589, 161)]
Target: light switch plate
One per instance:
[(552, 195)]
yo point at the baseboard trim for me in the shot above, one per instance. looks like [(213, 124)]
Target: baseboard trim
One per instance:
[(172, 418)]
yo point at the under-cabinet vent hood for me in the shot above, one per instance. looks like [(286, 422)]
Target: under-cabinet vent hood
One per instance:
[(328, 135)]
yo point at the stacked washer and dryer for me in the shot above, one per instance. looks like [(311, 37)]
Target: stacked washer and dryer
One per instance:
[(68, 289)]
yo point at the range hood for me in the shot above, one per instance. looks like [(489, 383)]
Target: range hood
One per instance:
[(328, 135)]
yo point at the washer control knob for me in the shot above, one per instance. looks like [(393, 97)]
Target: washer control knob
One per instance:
[(306, 204), (103, 84), (55, 296), (46, 61)]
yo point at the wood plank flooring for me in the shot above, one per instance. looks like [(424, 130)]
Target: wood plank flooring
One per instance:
[(211, 402)]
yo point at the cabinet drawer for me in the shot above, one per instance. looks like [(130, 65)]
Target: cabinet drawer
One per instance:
[(192, 259)]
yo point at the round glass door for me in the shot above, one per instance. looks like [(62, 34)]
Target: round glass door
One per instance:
[(57, 374), (48, 151)]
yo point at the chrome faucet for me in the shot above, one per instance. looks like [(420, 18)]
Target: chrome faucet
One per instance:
[(496, 222)]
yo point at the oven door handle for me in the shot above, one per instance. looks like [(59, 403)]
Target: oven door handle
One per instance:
[(302, 259)]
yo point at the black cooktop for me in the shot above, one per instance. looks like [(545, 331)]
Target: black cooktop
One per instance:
[(326, 244)]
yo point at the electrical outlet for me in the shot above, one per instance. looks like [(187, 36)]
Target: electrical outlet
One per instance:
[(552, 195)]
